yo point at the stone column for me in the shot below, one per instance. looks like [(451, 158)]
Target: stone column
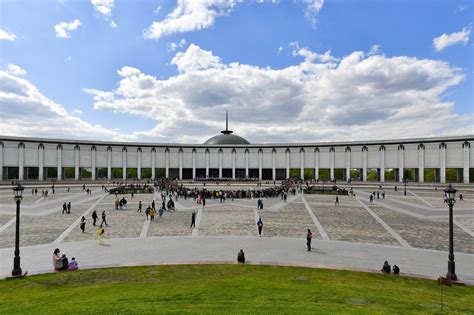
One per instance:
[(194, 163), (260, 163), (247, 153), (167, 163), (316, 163), (60, 162), (1, 160), (401, 162), (332, 154), (287, 154), (234, 153), (382, 163), (77, 157), (364, 163), (466, 147), (273, 164), (139, 163), (421, 163), (40, 162), (124, 163), (442, 162), (219, 161), (93, 161), (153, 163), (180, 163), (206, 155), (21, 161), (348, 163), (109, 163), (302, 157)]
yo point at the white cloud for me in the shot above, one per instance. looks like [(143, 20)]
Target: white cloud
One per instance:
[(353, 97), (311, 56), (63, 29), (460, 8), (374, 50), (104, 7), (280, 49), (312, 9), (188, 16), (4, 35), (446, 40), (68, 59), (15, 70), (195, 58), (25, 111), (173, 46), (77, 111), (157, 10)]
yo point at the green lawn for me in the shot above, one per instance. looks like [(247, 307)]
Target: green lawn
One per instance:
[(227, 289)]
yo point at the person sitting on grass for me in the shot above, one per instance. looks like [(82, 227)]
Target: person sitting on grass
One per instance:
[(386, 267), (241, 257), (57, 260), (73, 264), (396, 270)]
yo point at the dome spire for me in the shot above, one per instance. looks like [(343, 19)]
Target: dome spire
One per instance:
[(226, 131)]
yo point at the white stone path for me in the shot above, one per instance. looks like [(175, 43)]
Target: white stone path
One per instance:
[(258, 250)]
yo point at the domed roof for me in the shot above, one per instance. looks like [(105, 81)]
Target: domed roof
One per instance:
[(226, 136)]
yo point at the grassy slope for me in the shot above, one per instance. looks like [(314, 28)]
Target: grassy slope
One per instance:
[(226, 288)]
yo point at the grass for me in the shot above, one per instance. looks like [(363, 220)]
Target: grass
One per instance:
[(230, 289)]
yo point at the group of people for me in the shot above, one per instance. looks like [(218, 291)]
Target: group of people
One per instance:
[(376, 194), (386, 268), (66, 208), (61, 262)]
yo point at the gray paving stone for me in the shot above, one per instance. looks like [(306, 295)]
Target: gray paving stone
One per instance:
[(352, 224), (292, 220), (227, 220), (425, 233)]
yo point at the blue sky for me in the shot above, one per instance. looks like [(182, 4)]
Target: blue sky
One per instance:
[(382, 75)]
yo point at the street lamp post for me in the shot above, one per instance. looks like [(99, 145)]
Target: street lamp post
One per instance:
[(18, 191), (405, 181), (450, 194)]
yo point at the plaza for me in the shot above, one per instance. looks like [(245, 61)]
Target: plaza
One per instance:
[(410, 231)]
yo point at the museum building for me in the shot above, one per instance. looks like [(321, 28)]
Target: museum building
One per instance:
[(228, 156)]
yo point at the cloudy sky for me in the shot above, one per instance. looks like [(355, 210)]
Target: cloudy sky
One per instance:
[(288, 71)]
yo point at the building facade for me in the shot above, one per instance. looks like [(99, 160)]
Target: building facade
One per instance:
[(441, 159)]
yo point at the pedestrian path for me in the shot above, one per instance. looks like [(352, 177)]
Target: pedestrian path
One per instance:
[(289, 251)]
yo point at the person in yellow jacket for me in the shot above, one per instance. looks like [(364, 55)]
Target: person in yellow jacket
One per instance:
[(100, 235)]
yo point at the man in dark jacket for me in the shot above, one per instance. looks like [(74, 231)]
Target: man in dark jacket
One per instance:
[(241, 257)]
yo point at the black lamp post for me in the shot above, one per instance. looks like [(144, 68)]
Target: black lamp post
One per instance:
[(18, 191), (450, 194), (405, 181)]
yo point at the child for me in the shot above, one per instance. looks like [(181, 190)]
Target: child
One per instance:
[(73, 264), (100, 234)]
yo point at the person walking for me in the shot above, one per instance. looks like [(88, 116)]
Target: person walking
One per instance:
[(64, 208), (260, 226), (104, 219), (147, 212), (83, 224), (337, 201), (139, 206), (152, 214), (69, 207), (193, 219), (309, 237), (203, 202), (100, 235), (94, 217)]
